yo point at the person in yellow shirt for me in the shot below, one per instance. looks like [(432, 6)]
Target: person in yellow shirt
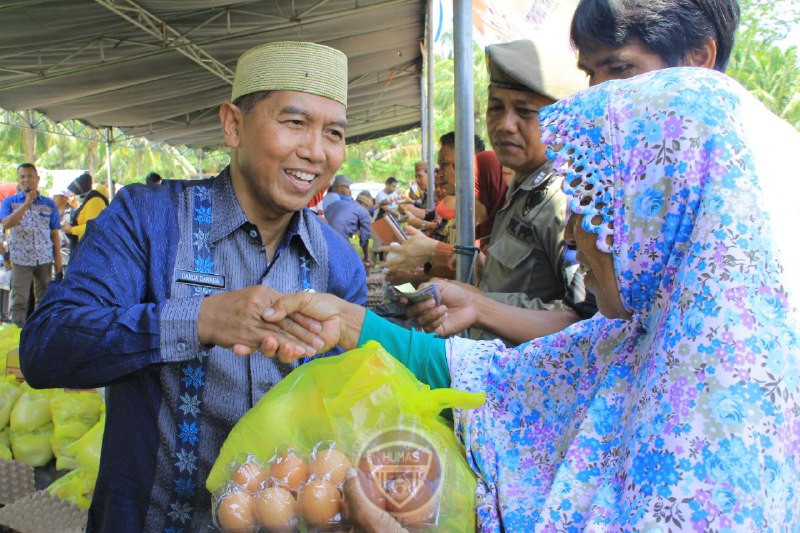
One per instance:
[(93, 201)]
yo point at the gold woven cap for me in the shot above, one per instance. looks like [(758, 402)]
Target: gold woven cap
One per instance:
[(292, 66)]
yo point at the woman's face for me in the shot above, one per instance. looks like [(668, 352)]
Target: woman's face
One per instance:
[(598, 267)]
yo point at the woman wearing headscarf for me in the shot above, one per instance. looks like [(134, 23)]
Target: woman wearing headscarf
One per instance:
[(92, 204), (676, 406)]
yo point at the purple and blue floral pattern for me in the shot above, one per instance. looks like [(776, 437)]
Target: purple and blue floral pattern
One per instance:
[(685, 417)]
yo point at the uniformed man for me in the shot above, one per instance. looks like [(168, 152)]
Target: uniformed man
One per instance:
[(526, 264)]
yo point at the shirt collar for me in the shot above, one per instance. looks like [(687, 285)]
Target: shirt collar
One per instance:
[(536, 178), (228, 216)]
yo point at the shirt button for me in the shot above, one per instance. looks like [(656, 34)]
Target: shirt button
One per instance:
[(181, 346), (253, 234)]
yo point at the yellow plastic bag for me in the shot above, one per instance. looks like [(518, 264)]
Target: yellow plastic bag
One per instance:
[(9, 339), (9, 392), (32, 409), (32, 447), (363, 400), (76, 487), (86, 450), (74, 414)]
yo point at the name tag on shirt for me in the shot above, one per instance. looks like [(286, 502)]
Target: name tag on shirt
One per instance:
[(200, 279)]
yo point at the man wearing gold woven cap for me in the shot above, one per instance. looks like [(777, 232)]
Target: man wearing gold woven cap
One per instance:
[(529, 287), (163, 302)]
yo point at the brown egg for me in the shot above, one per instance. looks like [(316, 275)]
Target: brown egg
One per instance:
[(249, 476), (236, 512), (276, 509), (330, 464), (289, 471), (411, 510), (320, 502)]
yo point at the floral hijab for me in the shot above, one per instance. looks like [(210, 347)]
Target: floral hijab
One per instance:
[(685, 417)]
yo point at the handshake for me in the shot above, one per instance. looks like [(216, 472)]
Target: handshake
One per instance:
[(286, 326)]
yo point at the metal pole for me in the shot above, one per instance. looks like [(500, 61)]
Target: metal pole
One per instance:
[(465, 130), (429, 65), (423, 104), (109, 140)]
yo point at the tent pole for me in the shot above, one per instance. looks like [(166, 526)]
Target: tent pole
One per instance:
[(429, 65), (423, 104), (465, 130), (109, 141)]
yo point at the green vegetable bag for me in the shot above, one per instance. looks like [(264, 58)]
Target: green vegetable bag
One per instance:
[(354, 399)]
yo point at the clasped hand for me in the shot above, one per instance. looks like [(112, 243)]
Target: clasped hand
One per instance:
[(235, 320), (289, 326)]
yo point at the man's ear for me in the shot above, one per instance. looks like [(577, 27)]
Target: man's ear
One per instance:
[(231, 118), (703, 56)]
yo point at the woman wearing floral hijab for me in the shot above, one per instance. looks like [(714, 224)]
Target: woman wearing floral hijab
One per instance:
[(678, 408)]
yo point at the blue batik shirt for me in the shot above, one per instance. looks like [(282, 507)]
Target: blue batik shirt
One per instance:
[(125, 316), (31, 243)]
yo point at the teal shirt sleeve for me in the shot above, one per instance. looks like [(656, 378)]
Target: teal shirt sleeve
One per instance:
[(422, 353)]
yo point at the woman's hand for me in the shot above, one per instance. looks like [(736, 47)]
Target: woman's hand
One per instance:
[(340, 321), (365, 515), (456, 313)]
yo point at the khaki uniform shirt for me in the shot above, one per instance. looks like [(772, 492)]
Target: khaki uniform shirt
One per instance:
[(524, 264)]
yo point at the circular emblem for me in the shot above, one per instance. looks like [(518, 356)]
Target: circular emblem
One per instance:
[(405, 468)]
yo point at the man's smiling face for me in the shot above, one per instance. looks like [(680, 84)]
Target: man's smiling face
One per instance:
[(287, 148)]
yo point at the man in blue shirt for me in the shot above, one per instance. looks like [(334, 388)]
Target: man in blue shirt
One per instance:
[(339, 189), (162, 302), (348, 216), (35, 241)]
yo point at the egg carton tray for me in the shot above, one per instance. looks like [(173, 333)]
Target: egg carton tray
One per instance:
[(42, 512), (16, 481)]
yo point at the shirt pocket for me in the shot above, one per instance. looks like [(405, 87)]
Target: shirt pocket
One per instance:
[(510, 251)]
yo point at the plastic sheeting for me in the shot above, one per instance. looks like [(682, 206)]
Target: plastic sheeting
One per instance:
[(82, 59)]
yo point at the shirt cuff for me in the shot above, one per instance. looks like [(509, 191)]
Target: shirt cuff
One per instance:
[(178, 329)]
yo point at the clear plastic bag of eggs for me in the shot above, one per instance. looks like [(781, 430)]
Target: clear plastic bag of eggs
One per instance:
[(292, 491)]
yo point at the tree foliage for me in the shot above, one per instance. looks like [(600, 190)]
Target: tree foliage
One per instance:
[(769, 71), (131, 159), (395, 155)]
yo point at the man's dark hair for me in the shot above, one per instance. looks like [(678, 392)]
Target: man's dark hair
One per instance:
[(449, 139), (153, 178), (247, 102), (27, 165), (669, 28), (390, 180)]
